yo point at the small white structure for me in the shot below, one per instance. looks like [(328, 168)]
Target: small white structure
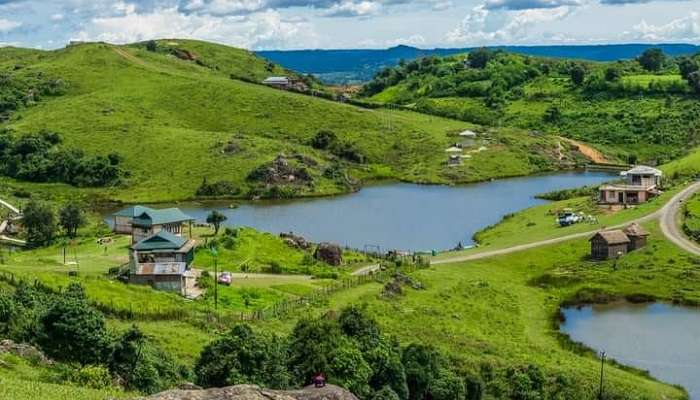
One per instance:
[(468, 134), (453, 150), (282, 82)]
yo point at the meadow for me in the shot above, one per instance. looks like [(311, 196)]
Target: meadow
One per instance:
[(176, 122)]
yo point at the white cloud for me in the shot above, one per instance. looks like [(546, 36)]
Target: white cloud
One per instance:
[(681, 29), (265, 29), (413, 40), (7, 25), (477, 28), (57, 17), (353, 9)]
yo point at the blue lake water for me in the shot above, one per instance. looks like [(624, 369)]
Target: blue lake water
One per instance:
[(659, 338), (400, 215)]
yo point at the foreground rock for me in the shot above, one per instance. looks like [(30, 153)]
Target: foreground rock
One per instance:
[(329, 253), (252, 392), (23, 350)]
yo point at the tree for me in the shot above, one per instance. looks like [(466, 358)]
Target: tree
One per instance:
[(141, 365), (578, 74), (480, 57), (73, 331), (356, 324), (39, 221), (71, 217), (694, 81), (687, 66), (422, 364), (552, 114), (152, 46), (652, 59), (324, 140), (216, 218), (243, 356), (612, 74), (318, 346)]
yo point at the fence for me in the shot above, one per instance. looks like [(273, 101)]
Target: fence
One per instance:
[(205, 318)]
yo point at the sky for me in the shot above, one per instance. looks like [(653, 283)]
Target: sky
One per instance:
[(305, 24)]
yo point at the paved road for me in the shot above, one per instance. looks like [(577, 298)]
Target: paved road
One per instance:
[(669, 226)]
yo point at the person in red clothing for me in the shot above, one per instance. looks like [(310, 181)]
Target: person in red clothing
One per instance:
[(319, 380)]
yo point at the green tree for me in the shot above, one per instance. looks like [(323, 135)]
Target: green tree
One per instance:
[(73, 331), (141, 365), (355, 323), (577, 74), (387, 368), (243, 356), (479, 58), (385, 393), (39, 221), (552, 114), (612, 74), (687, 66), (318, 346), (447, 386), (152, 46), (422, 364), (652, 59), (71, 217), (216, 218), (694, 81)]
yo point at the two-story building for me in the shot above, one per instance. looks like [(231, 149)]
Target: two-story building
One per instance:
[(641, 184), (141, 222), (162, 261)]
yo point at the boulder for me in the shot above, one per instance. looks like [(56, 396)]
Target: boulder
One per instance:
[(252, 392), (295, 241), (329, 253), (23, 350)]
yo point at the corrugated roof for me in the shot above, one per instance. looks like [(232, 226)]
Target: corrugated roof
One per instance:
[(162, 240), (276, 79), (642, 170), (635, 230), (158, 217), (613, 237), (161, 269), (468, 133)]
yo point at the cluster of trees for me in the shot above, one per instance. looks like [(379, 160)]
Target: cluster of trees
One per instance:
[(350, 351), (42, 224), (19, 89), (328, 140), (38, 157), (217, 189), (67, 329)]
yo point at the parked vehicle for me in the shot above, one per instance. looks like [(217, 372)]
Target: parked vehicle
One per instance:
[(568, 217), (225, 278)]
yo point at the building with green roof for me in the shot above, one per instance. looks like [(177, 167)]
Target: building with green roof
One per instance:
[(141, 222), (163, 261)]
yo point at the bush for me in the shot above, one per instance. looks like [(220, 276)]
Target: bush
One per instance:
[(243, 356), (92, 376), (73, 331), (217, 189)]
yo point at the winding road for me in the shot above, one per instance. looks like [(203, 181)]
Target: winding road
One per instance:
[(667, 215)]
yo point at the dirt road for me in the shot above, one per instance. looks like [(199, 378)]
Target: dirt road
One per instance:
[(667, 215)]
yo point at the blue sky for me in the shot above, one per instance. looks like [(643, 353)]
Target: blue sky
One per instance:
[(295, 24)]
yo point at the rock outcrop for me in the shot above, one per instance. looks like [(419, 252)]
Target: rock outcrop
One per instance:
[(23, 350), (252, 392), (329, 253)]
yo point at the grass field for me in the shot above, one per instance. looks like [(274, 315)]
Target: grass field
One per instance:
[(176, 122)]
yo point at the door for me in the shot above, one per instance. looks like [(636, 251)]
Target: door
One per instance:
[(621, 197)]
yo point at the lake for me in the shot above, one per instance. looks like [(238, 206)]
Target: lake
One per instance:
[(660, 338), (400, 215)]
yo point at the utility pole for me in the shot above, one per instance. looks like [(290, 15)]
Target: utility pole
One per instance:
[(215, 254), (602, 365)]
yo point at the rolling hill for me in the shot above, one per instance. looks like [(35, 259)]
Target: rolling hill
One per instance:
[(629, 112), (360, 65), (185, 115)]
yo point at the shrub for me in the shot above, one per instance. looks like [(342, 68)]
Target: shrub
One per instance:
[(92, 376), (73, 331), (217, 189), (243, 356), (39, 221)]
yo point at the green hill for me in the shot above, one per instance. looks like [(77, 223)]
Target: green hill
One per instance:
[(630, 111), (183, 111)]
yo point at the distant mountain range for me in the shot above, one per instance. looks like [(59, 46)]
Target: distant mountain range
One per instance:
[(354, 66)]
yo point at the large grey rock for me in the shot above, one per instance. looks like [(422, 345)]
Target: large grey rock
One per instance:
[(252, 392), (329, 253)]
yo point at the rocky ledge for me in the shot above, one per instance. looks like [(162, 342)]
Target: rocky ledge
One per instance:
[(252, 392)]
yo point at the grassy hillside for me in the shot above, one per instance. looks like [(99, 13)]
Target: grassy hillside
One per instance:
[(630, 112), (176, 120)]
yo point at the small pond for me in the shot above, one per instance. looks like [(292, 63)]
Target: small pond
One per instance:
[(660, 338), (400, 215)]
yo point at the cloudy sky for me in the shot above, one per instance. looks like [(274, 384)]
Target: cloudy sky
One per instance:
[(296, 24)]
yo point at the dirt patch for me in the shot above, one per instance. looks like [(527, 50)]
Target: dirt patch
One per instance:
[(589, 152)]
